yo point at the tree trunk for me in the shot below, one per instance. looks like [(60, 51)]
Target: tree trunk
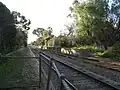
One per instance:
[(105, 46)]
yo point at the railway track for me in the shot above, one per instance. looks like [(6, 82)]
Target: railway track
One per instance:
[(94, 66), (83, 79), (80, 80), (96, 62)]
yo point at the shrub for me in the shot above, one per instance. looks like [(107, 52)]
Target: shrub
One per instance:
[(114, 52)]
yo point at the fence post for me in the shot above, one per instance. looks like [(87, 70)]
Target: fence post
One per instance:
[(62, 76), (40, 70), (49, 74)]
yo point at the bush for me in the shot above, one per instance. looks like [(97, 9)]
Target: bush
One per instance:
[(91, 48), (116, 48), (83, 40), (113, 52)]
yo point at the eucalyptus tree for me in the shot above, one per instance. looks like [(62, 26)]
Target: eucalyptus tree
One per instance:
[(22, 25), (7, 30), (44, 35), (98, 19)]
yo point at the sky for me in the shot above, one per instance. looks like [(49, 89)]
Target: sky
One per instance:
[(42, 13)]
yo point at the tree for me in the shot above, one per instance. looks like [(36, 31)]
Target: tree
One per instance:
[(21, 21), (50, 30), (44, 35), (22, 25), (93, 19), (39, 32), (7, 30), (114, 15), (13, 30), (70, 29)]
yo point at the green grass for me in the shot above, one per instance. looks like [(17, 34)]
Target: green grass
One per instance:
[(91, 48), (99, 52), (110, 53), (11, 70)]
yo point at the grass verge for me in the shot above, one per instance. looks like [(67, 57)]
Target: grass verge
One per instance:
[(17, 72)]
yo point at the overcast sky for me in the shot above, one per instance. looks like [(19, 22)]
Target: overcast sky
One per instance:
[(42, 13)]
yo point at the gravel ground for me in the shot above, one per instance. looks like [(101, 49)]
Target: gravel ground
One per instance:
[(81, 81), (54, 77), (113, 75)]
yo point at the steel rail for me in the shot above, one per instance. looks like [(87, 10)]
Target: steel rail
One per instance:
[(59, 75), (114, 85), (67, 85)]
